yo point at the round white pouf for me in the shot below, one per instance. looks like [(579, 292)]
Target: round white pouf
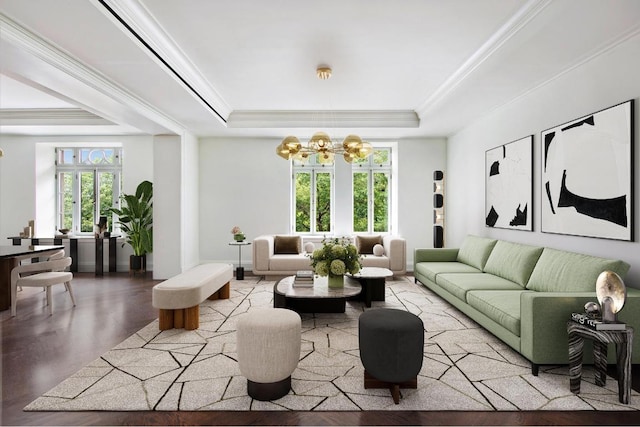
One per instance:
[(268, 346)]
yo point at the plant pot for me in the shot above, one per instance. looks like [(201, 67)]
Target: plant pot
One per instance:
[(239, 237), (336, 281), (137, 263)]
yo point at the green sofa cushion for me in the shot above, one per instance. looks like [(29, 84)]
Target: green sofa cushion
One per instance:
[(513, 261), (562, 271), (459, 284), (475, 251), (503, 307), (432, 269)]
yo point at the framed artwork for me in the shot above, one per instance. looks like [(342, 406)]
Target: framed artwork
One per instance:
[(587, 175), (509, 185)]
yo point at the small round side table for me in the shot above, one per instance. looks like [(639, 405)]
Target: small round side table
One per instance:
[(239, 268)]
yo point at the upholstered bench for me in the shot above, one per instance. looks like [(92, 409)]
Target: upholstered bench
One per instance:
[(179, 297)]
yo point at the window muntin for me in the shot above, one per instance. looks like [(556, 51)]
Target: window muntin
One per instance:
[(88, 184)]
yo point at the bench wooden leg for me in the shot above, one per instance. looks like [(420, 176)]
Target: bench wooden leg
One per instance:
[(192, 318), (187, 318), (166, 319), (222, 293)]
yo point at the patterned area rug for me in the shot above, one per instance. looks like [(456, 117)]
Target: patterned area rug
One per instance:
[(465, 367)]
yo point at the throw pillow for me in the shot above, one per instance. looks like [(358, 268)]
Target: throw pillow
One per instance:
[(475, 251), (309, 247), (513, 261), (378, 250), (287, 245), (365, 244)]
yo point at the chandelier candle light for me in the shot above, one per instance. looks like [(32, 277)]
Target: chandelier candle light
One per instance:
[(352, 148)]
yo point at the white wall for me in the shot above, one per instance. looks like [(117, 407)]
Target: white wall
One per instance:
[(168, 230), (190, 202), (243, 182), (602, 82)]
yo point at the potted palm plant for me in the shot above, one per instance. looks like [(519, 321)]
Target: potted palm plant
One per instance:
[(135, 217)]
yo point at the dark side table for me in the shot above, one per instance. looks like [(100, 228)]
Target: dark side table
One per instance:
[(623, 339), (239, 268)]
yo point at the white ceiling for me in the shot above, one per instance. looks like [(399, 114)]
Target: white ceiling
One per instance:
[(401, 68)]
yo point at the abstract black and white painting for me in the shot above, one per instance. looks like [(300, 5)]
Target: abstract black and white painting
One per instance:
[(587, 175), (509, 185)]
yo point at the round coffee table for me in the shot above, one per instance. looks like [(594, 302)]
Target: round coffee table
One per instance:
[(372, 280), (318, 298)]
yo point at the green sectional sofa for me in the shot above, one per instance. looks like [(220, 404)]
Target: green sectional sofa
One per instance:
[(523, 294)]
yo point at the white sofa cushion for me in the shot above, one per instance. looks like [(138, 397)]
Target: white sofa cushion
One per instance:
[(291, 263)]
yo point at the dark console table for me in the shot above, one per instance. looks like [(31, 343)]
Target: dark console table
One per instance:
[(73, 249)]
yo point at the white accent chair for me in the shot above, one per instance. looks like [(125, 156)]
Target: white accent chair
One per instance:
[(42, 274)]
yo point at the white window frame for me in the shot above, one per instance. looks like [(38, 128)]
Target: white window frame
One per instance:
[(368, 166), (313, 167), (76, 168)]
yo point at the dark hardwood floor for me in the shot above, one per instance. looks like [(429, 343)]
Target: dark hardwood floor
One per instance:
[(39, 351)]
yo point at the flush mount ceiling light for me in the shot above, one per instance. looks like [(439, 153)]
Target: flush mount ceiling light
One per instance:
[(351, 149), (323, 72)]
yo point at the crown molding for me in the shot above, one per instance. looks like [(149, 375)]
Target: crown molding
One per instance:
[(510, 28), (324, 118), (31, 44), (595, 53), (50, 117), (141, 26)]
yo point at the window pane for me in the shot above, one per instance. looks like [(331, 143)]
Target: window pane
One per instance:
[(105, 196), (380, 202), (65, 156), (65, 182), (97, 156), (87, 219), (360, 201), (303, 202), (381, 157), (323, 202)]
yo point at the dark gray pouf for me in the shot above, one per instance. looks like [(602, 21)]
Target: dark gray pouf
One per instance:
[(391, 349)]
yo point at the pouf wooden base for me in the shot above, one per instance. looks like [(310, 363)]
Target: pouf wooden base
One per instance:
[(394, 388), (269, 391), (391, 344)]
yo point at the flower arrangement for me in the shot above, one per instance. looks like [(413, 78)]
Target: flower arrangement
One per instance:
[(238, 235), (336, 257)]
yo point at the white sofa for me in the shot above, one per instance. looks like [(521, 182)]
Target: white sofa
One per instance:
[(267, 262)]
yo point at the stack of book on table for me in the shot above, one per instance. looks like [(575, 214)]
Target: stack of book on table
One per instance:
[(304, 279), (597, 325)]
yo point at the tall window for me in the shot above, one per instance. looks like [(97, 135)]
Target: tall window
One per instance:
[(88, 184), (313, 196), (372, 192)]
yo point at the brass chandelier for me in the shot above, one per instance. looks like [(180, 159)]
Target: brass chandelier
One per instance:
[(352, 148)]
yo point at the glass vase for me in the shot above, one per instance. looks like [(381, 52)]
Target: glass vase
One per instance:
[(336, 281)]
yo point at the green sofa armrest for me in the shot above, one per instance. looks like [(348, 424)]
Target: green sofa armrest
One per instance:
[(543, 324), (435, 255)]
